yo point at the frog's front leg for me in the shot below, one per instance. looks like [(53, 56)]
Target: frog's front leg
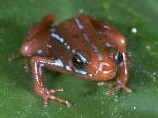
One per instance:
[(38, 63), (122, 78), (120, 82)]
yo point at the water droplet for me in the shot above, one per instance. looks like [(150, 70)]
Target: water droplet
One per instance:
[(116, 98), (154, 73), (102, 112), (81, 10), (60, 108), (148, 47), (1, 40), (134, 30), (154, 79)]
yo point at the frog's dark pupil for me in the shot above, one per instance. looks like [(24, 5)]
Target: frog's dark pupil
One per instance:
[(78, 62), (120, 58)]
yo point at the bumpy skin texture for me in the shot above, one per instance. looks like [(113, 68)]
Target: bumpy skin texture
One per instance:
[(82, 46)]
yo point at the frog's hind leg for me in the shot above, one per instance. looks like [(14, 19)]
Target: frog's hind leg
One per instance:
[(45, 23), (14, 57), (26, 63)]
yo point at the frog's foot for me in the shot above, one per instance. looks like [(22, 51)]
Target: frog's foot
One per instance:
[(27, 66), (48, 95), (14, 57), (117, 87)]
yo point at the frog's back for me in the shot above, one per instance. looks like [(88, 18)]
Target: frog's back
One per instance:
[(77, 34), (67, 38)]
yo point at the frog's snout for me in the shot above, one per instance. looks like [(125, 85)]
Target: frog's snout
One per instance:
[(103, 69)]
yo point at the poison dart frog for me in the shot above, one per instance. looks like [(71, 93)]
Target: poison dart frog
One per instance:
[(82, 46)]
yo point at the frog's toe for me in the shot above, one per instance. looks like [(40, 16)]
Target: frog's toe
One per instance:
[(27, 68), (112, 90), (126, 88), (117, 87), (56, 90), (50, 96), (106, 83)]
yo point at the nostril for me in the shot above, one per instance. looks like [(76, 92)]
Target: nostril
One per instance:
[(119, 57)]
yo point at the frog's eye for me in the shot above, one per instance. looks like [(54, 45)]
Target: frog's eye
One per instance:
[(78, 61), (119, 57)]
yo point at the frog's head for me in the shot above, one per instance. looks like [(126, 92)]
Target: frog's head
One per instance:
[(92, 57), (99, 66)]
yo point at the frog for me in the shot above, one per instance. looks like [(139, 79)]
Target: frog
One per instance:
[(82, 46)]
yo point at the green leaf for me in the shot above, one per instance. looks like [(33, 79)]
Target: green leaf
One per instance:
[(17, 96)]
